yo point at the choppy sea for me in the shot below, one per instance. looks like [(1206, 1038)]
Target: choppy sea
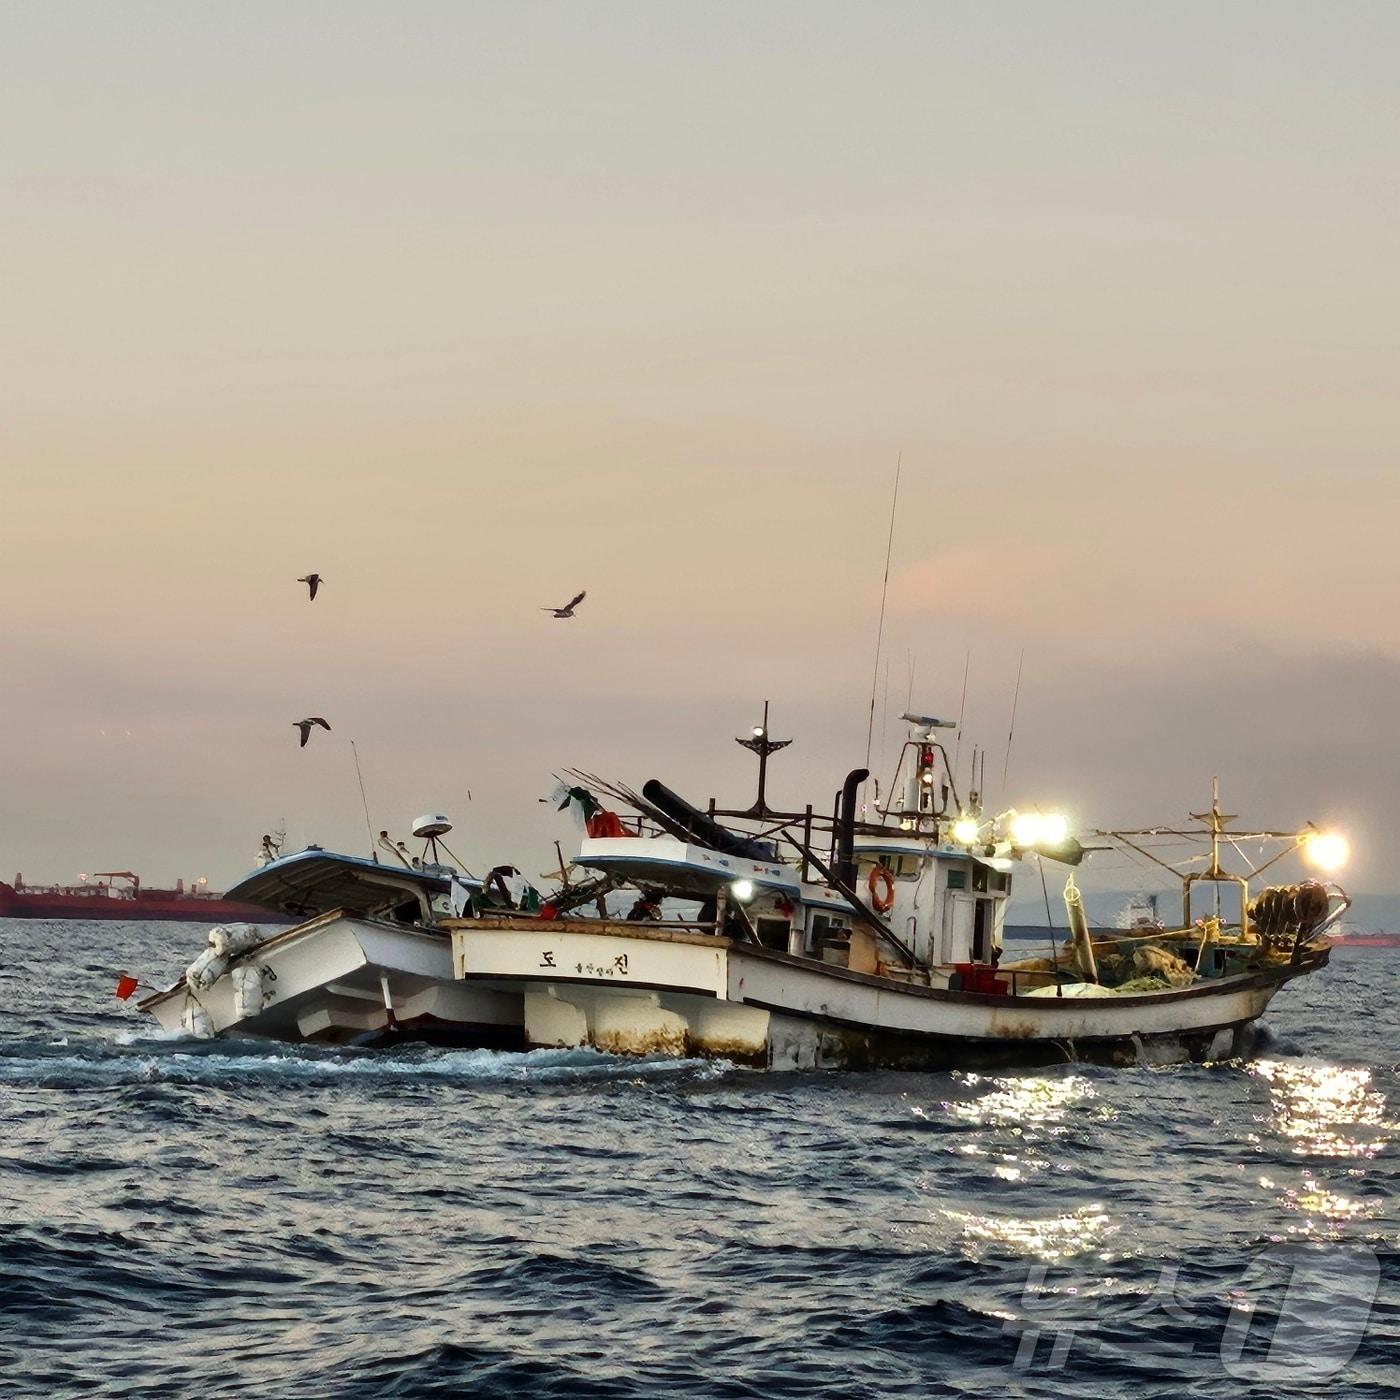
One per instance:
[(246, 1219)]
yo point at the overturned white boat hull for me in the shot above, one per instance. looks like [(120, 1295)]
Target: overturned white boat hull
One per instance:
[(627, 990), (341, 979)]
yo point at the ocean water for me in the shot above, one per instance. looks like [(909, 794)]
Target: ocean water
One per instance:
[(244, 1219)]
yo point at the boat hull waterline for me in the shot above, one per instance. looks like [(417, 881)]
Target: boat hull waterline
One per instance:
[(625, 991), (647, 991)]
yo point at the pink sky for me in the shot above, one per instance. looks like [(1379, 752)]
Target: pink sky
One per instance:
[(471, 307)]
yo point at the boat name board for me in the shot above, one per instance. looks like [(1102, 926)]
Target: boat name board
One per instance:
[(483, 952)]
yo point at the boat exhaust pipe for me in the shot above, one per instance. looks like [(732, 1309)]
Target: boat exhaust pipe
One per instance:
[(845, 869), (1079, 933)]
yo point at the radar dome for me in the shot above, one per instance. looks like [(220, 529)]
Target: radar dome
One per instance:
[(434, 824)]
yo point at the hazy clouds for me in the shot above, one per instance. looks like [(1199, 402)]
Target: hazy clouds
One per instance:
[(470, 307)]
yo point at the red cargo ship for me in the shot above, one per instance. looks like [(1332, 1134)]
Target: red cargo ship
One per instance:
[(105, 900), (1365, 940)]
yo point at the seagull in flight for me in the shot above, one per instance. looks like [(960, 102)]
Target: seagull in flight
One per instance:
[(568, 609), (305, 726), (312, 582)]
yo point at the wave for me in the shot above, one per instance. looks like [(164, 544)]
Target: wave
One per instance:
[(134, 1063), (454, 1369)]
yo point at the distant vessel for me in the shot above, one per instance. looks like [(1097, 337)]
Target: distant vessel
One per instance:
[(1354, 939), (104, 898), (1140, 915)]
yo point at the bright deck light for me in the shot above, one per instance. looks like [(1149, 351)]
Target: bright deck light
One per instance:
[(1326, 850), (742, 890), (1030, 829), (965, 830)]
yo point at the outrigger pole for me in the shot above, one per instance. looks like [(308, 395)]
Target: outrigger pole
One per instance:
[(1216, 827)]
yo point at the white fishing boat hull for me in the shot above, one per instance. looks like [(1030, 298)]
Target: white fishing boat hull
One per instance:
[(628, 990), (520, 983), (340, 979)]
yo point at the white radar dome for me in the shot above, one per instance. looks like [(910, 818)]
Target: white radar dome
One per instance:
[(434, 824)]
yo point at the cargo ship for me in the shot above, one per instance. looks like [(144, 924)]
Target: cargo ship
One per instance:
[(1348, 938), (119, 894)]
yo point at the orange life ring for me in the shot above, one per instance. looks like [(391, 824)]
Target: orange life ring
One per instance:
[(880, 875)]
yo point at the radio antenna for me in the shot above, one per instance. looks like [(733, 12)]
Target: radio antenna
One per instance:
[(1011, 732), (962, 719), (880, 629), (885, 716), (364, 801)]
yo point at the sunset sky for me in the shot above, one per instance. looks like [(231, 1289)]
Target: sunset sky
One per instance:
[(470, 306)]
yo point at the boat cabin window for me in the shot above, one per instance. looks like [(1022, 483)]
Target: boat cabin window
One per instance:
[(772, 933), (985, 879), (822, 927), (957, 879), (901, 866)]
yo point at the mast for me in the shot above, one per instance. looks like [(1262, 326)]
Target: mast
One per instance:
[(762, 745)]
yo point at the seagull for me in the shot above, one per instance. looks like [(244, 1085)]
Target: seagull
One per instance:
[(568, 609), (312, 582), (305, 726)]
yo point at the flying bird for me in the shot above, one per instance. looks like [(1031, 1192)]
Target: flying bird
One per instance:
[(312, 582), (305, 726), (568, 609)]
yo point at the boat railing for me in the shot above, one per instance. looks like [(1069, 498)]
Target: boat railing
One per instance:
[(579, 923)]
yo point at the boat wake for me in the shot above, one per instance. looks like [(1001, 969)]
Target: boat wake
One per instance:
[(163, 1058)]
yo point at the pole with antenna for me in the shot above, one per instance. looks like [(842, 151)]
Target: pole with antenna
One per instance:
[(880, 629), (364, 801), (1011, 732), (962, 719), (885, 721), (760, 743)]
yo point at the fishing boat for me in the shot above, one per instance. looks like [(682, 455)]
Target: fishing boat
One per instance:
[(366, 959), (888, 953), (871, 937)]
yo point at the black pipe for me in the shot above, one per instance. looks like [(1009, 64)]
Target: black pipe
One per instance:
[(845, 866), (704, 829)]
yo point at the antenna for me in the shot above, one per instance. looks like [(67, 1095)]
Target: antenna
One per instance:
[(962, 716), (1010, 733), (364, 801), (885, 716), (880, 630)]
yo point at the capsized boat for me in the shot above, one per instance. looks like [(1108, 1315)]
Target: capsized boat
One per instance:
[(366, 960), (889, 951)]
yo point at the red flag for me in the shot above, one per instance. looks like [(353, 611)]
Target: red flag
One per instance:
[(125, 987)]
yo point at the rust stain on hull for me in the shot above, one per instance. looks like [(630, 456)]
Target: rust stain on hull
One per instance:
[(660, 1041)]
